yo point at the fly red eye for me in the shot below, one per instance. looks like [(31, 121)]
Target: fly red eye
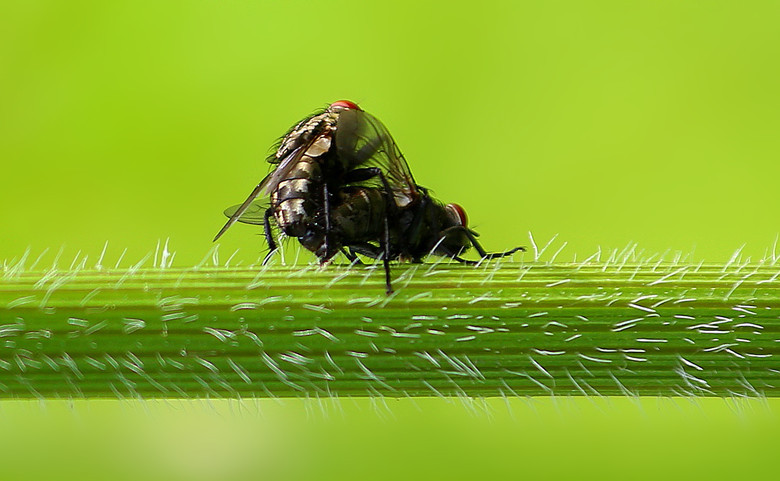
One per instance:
[(459, 214), (345, 104)]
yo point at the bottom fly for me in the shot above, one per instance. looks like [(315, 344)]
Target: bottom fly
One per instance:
[(364, 222)]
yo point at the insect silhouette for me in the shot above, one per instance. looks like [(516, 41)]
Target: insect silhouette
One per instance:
[(342, 185)]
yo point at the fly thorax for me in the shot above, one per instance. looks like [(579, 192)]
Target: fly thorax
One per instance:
[(303, 132), (319, 147)]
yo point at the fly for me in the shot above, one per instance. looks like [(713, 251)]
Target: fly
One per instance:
[(340, 184)]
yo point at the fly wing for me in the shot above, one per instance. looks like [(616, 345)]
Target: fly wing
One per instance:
[(271, 181), (267, 185), (363, 141), (253, 214), (236, 212)]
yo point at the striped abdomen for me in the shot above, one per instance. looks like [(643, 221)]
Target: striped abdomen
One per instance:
[(298, 197)]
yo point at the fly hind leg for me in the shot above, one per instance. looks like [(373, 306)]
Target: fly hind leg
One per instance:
[(374, 252), (269, 236), (359, 175), (326, 199)]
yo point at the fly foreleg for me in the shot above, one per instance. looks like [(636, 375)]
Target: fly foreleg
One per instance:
[(482, 252), (465, 261)]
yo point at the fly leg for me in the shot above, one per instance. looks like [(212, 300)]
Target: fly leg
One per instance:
[(366, 249), (351, 255), (269, 237), (327, 219), (386, 256), (482, 252), (359, 175), (465, 261), (374, 252), (490, 255)]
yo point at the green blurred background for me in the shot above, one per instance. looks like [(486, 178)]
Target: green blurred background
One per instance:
[(604, 122)]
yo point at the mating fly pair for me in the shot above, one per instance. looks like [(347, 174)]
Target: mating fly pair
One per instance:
[(342, 185)]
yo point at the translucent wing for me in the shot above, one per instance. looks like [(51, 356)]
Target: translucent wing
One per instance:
[(363, 141), (252, 214), (281, 171), (240, 209)]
